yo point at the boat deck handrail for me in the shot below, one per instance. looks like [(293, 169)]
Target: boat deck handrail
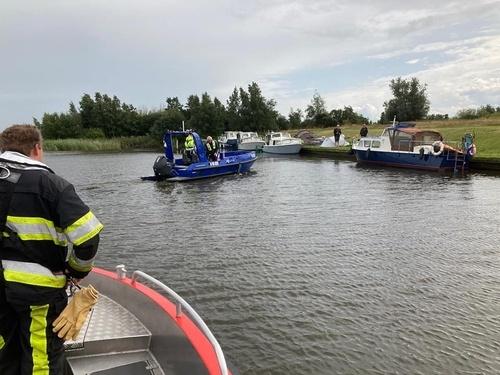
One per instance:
[(181, 304)]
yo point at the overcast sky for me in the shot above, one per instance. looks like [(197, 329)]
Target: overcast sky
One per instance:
[(54, 51)]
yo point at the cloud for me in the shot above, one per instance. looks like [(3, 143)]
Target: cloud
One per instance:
[(146, 51)]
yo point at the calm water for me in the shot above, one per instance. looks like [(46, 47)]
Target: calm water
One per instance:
[(313, 266)]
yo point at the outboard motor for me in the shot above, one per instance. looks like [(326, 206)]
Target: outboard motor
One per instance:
[(162, 167)]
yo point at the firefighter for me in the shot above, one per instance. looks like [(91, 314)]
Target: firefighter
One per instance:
[(212, 149), (40, 214), (189, 148)]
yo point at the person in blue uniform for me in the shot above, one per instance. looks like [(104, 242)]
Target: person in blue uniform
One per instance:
[(40, 215)]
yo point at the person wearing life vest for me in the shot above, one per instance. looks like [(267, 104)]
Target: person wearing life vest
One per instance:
[(189, 148), (212, 149), (40, 215)]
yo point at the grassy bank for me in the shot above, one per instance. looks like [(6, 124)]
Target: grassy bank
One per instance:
[(486, 130), (103, 145)]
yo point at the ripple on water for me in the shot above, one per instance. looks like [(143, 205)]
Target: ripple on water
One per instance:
[(315, 266)]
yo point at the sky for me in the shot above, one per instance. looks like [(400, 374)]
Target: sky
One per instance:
[(347, 51)]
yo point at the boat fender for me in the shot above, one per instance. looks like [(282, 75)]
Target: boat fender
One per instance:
[(162, 167), (472, 150), (421, 151), (437, 148)]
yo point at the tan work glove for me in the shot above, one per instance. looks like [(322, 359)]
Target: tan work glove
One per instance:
[(70, 321)]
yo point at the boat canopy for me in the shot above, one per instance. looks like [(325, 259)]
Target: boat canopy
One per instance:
[(168, 144), (407, 137)]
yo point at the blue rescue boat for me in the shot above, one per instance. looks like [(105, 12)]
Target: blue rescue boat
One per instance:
[(195, 164)]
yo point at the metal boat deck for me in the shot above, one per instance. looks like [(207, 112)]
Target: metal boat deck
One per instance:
[(134, 330), (112, 341)]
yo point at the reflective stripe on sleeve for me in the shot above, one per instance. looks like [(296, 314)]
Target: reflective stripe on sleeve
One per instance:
[(36, 229), (83, 229), (80, 264), (31, 274), (2, 342), (38, 339)]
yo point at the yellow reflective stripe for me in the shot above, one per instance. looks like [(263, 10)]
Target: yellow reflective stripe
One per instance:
[(79, 264), (36, 229), (30, 220), (41, 237), (83, 229), (38, 339), (89, 235), (34, 279), (2, 342)]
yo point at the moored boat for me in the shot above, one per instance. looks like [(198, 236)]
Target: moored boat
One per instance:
[(229, 140), (282, 143), (250, 141), (195, 165), (403, 145), (135, 329)]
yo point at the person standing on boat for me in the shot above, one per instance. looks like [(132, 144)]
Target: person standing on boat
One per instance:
[(189, 147), (40, 214), (364, 131), (212, 149), (336, 134)]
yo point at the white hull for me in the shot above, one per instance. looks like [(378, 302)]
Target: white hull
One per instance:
[(251, 146), (293, 148)]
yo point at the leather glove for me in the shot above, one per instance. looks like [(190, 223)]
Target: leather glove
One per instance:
[(70, 321)]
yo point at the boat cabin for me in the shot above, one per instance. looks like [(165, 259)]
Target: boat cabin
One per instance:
[(176, 139), (401, 137), (407, 138)]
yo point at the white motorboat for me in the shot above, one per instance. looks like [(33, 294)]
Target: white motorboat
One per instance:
[(250, 141), (282, 143), (229, 140), (136, 330)]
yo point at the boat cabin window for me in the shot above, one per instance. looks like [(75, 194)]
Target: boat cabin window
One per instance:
[(375, 144), (276, 135), (427, 138), (402, 141), (366, 143)]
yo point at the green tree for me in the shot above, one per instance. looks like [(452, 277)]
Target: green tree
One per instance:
[(205, 116), (317, 109), (233, 111), (410, 100), (295, 118), (262, 114)]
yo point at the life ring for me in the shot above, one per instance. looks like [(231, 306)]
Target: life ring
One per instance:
[(437, 148), (472, 150)]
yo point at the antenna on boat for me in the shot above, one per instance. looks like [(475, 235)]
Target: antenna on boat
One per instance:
[(393, 121), (182, 125)]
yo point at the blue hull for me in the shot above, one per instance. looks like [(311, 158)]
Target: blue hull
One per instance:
[(205, 170), (230, 163), (445, 161)]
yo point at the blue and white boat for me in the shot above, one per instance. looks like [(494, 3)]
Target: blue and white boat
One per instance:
[(197, 165), (403, 145)]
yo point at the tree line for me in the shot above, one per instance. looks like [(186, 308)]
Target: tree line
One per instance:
[(246, 109)]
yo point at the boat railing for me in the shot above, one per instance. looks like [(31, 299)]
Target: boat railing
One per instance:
[(181, 305)]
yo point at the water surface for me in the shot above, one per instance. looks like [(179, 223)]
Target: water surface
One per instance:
[(314, 266)]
